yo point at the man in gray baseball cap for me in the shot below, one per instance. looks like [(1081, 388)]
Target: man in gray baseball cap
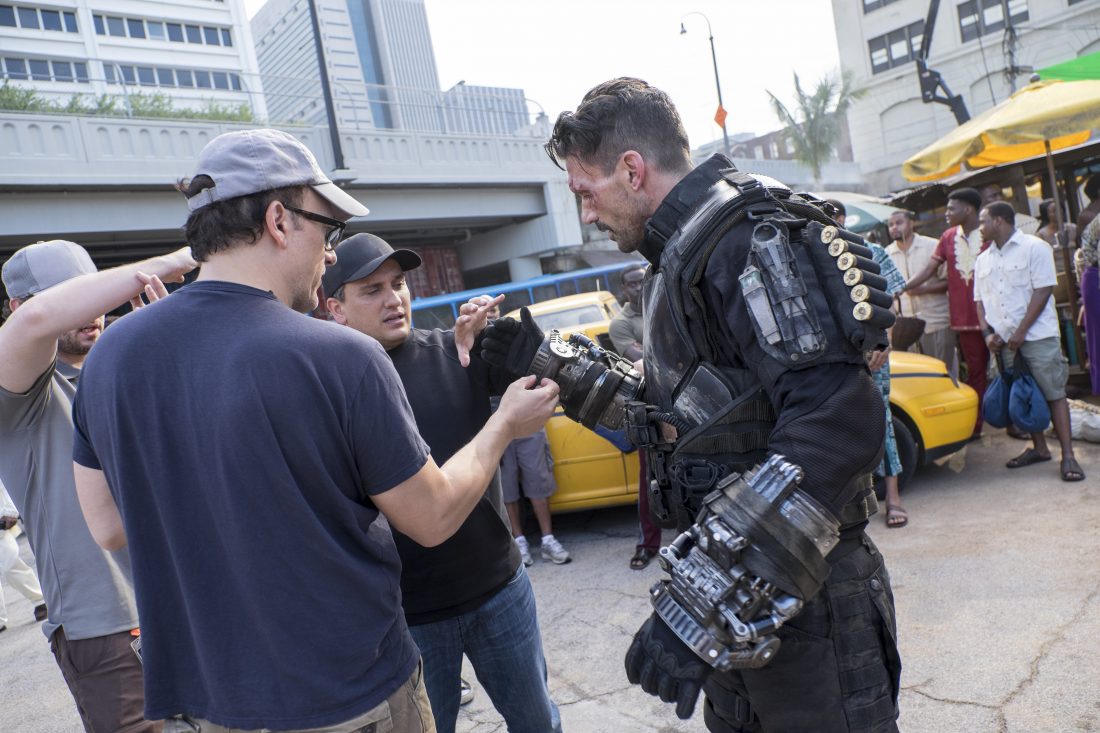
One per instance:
[(271, 444), (58, 299), (251, 161)]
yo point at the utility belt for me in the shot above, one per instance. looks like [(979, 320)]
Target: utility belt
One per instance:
[(685, 482)]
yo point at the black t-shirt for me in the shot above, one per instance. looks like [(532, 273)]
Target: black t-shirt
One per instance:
[(451, 405), (242, 443)]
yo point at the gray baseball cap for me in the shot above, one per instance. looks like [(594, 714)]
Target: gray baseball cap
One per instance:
[(252, 161), (39, 266)]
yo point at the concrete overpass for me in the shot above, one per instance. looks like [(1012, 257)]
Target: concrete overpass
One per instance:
[(108, 184)]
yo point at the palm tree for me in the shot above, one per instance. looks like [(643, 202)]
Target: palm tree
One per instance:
[(813, 128)]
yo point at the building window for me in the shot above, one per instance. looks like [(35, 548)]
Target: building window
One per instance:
[(51, 20), (155, 30), (28, 18), (40, 69), (44, 70), (869, 5), (18, 16), (981, 17), (161, 76), (896, 47), (116, 27)]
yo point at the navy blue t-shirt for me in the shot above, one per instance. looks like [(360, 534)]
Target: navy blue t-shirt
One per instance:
[(242, 442)]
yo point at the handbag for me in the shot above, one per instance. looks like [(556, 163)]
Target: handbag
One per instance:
[(1027, 407), (906, 331), (995, 399)]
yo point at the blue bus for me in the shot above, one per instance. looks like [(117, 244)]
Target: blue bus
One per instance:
[(440, 311)]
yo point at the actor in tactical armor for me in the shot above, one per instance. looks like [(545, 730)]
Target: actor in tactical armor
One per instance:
[(760, 421)]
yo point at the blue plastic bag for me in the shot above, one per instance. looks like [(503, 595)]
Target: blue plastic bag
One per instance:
[(1027, 407), (995, 400)]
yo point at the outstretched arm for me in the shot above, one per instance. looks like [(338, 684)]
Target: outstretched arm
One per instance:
[(28, 340), (914, 283)]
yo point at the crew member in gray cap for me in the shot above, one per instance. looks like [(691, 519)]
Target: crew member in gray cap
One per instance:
[(58, 300), (471, 594), (267, 582)]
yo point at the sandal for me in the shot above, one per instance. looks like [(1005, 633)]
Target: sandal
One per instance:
[(641, 558), (896, 516), (1071, 470), (1027, 458)]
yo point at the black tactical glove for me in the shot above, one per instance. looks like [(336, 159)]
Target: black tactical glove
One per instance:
[(510, 345), (664, 666)]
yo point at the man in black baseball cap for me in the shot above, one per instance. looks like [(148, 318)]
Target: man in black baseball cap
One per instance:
[(471, 594), (379, 306)]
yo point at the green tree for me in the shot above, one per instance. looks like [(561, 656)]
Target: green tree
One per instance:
[(813, 126)]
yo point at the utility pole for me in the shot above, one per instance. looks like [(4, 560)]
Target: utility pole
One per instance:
[(326, 89)]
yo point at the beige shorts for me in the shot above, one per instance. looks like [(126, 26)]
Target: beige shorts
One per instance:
[(1047, 364)]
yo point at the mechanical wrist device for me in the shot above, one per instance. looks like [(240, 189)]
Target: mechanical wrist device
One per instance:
[(595, 384), (746, 566)]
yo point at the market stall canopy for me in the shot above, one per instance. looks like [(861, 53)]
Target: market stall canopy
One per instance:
[(1061, 113), (1082, 67), (864, 216)]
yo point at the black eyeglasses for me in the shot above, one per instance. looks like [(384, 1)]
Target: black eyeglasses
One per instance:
[(332, 236)]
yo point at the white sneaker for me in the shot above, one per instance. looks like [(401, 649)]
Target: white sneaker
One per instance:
[(524, 551), (466, 694), (553, 551)]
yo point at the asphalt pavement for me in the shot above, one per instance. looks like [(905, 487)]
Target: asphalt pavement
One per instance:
[(996, 578)]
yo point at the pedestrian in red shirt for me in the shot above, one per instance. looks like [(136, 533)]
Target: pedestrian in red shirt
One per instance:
[(959, 247)]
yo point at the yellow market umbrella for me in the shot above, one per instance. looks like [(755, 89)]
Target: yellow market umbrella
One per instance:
[(1041, 117), (1058, 113)]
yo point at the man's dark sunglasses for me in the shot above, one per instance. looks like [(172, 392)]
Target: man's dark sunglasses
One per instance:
[(333, 235)]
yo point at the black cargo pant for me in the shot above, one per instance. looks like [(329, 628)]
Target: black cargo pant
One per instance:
[(838, 668)]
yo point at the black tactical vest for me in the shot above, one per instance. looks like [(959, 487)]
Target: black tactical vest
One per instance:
[(723, 416)]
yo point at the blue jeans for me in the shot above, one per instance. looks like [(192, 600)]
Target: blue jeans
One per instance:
[(504, 645)]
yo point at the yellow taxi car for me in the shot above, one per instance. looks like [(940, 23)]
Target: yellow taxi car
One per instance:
[(933, 415)]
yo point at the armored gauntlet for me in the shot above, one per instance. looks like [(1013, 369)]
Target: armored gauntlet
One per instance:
[(755, 554)]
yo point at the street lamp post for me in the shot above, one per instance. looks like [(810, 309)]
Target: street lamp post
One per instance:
[(721, 114)]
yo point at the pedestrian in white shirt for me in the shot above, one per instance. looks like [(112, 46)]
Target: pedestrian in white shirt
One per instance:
[(911, 253), (12, 568), (1013, 282)]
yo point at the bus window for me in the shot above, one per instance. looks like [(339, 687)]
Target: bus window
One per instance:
[(515, 300), (440, 316), (544, 292)]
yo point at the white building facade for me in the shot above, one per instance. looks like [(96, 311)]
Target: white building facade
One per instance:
[(196, 52), (879, 41)]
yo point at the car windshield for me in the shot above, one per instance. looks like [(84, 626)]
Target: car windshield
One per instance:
[(567, 319)]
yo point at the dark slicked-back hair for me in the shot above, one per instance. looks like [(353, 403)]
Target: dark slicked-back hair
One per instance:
[(620, 115), (1002, 210), (223, 224)]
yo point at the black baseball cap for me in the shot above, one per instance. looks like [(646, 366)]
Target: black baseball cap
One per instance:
[(360, 255)]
